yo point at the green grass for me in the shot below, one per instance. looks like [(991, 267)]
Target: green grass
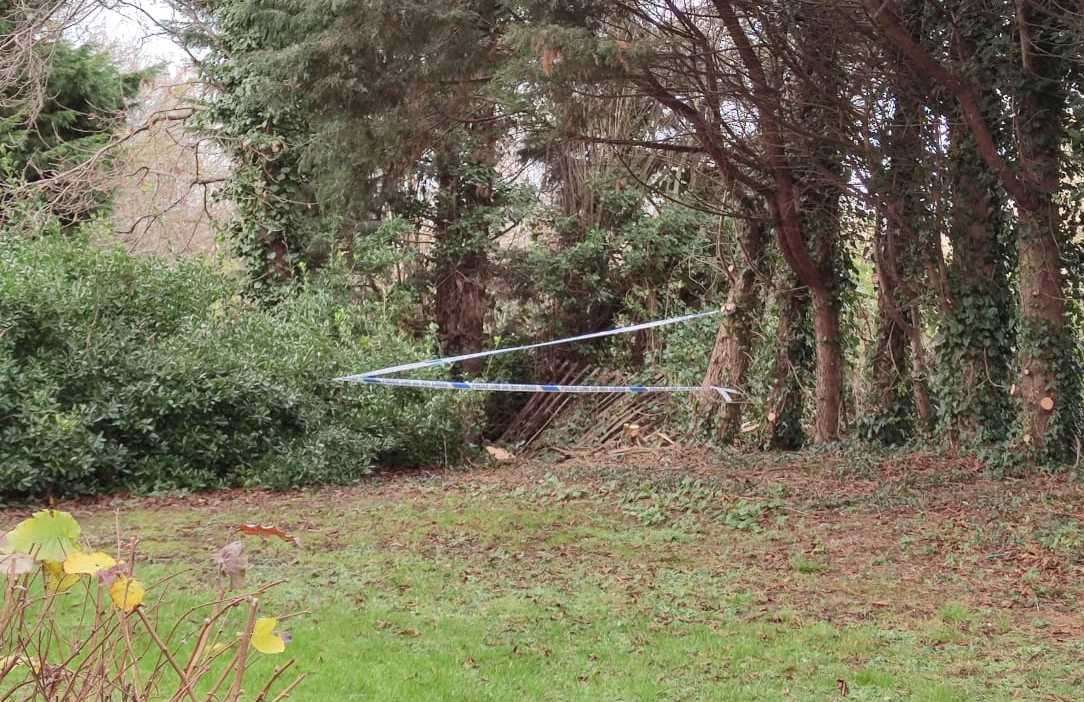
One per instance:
[(435, 594)]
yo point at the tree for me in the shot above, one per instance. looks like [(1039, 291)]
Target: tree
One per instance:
[(699, 62), (1035, 74), (48, 132)]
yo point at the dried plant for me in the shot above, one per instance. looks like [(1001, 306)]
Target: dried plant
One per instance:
[(114, 643)]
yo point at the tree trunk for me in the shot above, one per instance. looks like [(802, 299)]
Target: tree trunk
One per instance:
[(919, 372), (1047, 386), (820, 175), (460, 243), (975, 348), (1045, 338), (731, 355), (461, 307), (898, 387), (829, 367), (888, 418), (977, 324), (793, 358)]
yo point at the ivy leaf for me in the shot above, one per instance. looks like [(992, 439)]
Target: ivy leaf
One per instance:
[(127, 593), (47, 536), (56, 580), (264, 638), (79, 563)]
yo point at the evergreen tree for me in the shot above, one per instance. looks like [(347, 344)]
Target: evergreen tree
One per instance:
[(85, 95)]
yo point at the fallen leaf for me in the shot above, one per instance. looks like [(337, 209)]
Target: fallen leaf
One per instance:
[(127, 593), (233, 563), (499, 454), (79, 563), (49, 535), (267, 531), (264, 638)]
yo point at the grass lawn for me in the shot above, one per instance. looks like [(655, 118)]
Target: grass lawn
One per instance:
[(668, 576)]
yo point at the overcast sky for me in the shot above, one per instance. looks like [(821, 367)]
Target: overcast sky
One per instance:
[(129, 30)]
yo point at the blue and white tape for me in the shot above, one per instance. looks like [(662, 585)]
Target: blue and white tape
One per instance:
[(376, 377)]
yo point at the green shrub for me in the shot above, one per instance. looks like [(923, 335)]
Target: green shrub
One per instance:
[(118, 373)]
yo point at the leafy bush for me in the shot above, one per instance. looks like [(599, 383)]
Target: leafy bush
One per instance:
[(119, 373), (78, 625)]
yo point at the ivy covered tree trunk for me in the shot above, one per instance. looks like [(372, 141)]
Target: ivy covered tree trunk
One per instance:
[(461, 238), (820, 176), (977, 324), (732, 353), (891, 404), (1049, 381), (790, 368), (977, 330), (899, 398)]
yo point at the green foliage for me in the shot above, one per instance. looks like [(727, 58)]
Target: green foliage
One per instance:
[(278, 228), (643, 265), (86, 95), (1064, 537), (122, 373)]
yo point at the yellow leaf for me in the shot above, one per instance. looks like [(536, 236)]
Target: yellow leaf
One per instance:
[(56, 580), (79, 563), (48, 536), (264, 638), (127, 593)]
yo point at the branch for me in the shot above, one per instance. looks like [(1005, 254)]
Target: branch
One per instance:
[(654, 145), (784, 201), (886, 15), (707, 137)]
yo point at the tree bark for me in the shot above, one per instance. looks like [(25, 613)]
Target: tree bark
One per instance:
[(1046, 336), (829, 368), (919, 372), (731, 354), (888, 418), (793, 357), (898, 391), (460, 250), (975, 349)]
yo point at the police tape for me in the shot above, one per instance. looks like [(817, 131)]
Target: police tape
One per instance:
[(376, 377), (725, 393)]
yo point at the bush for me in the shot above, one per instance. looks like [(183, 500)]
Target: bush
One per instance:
[(119, 373)]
